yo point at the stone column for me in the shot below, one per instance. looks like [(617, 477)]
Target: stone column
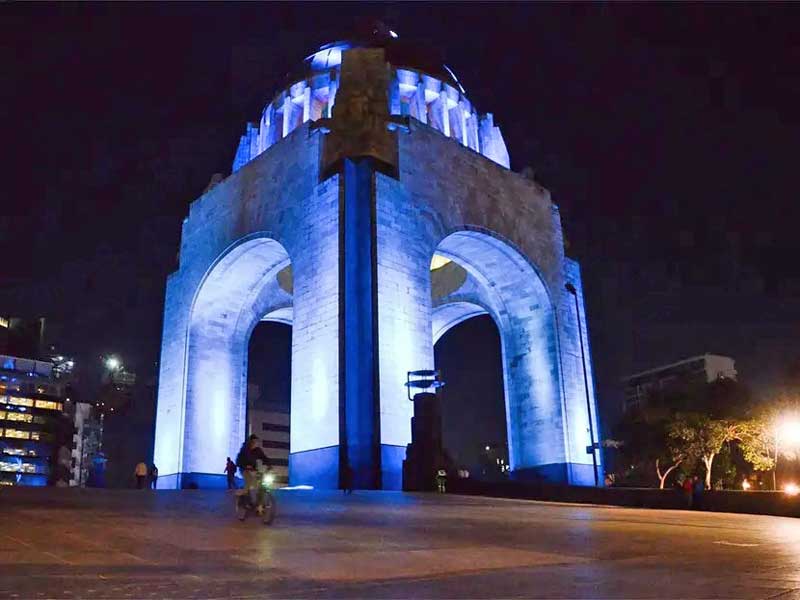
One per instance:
[(287, 114), (358, 332)]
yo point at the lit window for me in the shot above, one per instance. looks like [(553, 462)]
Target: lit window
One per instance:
[(4, 322), (34, 435), (20, 435), (21, 417), (16, 451), (20, 401), (48, 404), (2, 414)]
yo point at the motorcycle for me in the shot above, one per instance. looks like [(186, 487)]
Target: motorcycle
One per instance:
[(264, 506)]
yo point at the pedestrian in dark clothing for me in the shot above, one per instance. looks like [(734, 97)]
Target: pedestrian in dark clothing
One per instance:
[(688, 490), (697, 493), (153, 475), (230, 471), (347, 479)]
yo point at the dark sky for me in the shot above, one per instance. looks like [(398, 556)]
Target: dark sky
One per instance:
[(668, 135)]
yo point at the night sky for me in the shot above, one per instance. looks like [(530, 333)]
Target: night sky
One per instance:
[(668, 135)]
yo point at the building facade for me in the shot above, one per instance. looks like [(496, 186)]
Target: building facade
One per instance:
[(35, 431), (272, 426), (366, 168), (683, 373)]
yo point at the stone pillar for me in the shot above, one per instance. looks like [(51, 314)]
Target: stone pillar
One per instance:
[(306, 103), (358, 332), (422, 105), (332, 89), (405, 341), (445, 112), (394, 96), (287, 114), (582, 423), (315, 424)]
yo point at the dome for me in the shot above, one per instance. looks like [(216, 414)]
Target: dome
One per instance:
[(399, 53), (422, 87)]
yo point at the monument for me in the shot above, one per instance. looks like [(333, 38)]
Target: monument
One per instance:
[(372, 208)]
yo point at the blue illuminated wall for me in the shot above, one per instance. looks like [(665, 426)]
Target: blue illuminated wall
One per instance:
[(358, 212), (236, 239)]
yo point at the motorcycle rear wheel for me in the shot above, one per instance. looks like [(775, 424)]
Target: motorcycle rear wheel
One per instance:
[(269, 508)]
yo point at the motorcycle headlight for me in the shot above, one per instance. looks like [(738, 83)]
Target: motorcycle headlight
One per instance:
[(269, 478)]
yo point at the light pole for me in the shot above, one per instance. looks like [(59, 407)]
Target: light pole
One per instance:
[(112, 363), (571, 289)]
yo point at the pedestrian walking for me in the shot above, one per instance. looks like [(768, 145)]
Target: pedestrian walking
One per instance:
[(230, 472), (153, 475), (141, 475), (698, 487), (441, 481)]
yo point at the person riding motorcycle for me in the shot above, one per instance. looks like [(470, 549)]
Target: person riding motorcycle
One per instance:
[(247, 460)]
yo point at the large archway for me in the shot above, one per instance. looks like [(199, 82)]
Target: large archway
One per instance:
[(487, 275), (472, 404), (236, 293), (269, 372)]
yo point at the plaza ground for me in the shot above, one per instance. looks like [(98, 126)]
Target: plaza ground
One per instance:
[(128, 544)]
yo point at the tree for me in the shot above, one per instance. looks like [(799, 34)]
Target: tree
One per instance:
[(761, 441), (757, 441), (644, 444), (669, 466), (702, 436)]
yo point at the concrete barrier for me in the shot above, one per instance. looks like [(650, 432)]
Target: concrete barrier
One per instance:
[(762, 503)]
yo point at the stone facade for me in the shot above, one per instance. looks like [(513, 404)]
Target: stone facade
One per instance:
[(357, 198)]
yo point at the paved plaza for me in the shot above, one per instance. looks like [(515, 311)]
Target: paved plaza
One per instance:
[(169, 544)]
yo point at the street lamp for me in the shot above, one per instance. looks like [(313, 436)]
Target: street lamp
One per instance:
[(787, 435), (789, 432), (112, 363)]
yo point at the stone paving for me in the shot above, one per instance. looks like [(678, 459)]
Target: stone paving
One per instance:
[(127, 544)]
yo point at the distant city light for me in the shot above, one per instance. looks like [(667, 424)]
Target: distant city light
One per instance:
[(791, 489), (112, 363), (745, 485), (393, 34)]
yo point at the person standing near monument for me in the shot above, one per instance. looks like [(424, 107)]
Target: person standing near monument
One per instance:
[(230, 471), (141, 475), (687, 491), (441, 481), (698, 487)]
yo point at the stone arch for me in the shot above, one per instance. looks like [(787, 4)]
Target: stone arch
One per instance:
[(282, 314), (236, 292), (504, 283), (449, 314)]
